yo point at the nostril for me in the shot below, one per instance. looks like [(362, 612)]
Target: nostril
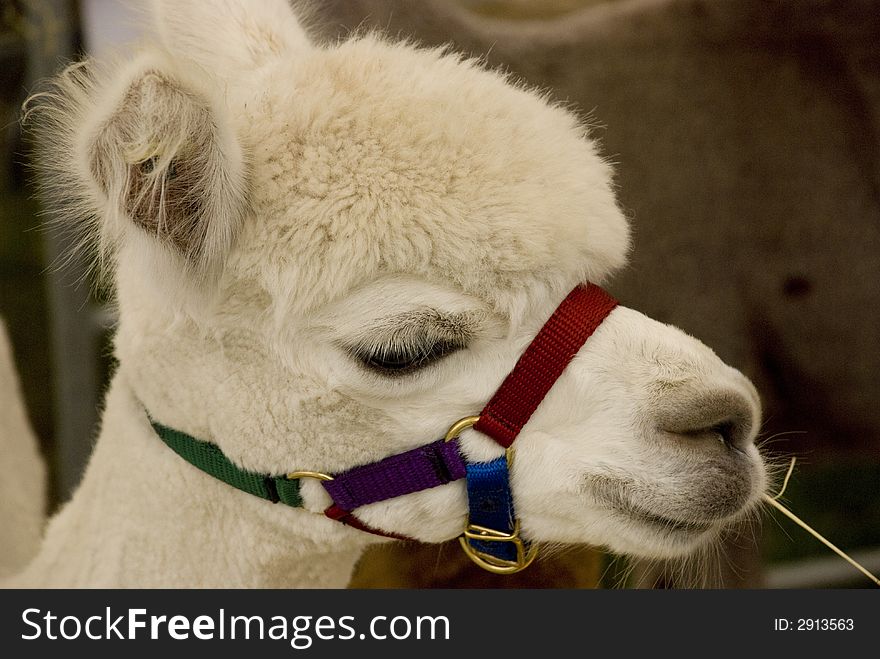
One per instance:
[(726, 417), (727, 434), (724, 430)]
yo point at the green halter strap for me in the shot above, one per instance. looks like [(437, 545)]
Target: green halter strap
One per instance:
[(210, 459)]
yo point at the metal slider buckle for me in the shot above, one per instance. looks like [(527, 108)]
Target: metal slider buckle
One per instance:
[(524, 556)]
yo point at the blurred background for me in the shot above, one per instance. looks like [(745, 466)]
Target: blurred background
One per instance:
[(746, 136)]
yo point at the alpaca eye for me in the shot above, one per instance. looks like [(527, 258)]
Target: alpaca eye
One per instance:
[(399, 361)]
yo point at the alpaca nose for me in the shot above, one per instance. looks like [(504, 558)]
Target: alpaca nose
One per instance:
[(727, 416)]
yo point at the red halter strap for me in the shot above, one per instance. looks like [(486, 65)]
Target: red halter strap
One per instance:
[(574, 320)]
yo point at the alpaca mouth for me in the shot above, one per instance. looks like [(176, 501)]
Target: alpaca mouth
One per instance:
[(609, 495), (661, 524)]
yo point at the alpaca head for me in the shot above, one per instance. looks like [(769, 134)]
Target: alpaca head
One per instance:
[(326, 255)]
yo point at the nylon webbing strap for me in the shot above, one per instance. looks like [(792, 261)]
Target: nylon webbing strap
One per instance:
[(348, 518), (418, 469), (574, 320), (490, 504), (210, 459)]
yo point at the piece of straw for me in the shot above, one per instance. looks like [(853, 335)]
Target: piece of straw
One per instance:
[(773, 501)]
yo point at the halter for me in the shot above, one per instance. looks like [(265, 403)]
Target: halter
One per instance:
[(491, 537)]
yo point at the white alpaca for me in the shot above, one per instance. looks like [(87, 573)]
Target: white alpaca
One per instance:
[(323, 257)]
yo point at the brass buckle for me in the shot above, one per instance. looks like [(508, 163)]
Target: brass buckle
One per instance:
[(524, 557)]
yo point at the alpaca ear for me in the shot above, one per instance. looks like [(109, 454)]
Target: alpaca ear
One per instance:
[(168, 165), (229, 36)]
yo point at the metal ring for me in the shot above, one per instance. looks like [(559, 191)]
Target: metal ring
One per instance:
[(294, 475), (458, 426)]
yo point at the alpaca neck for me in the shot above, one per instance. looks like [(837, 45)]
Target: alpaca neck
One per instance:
[(143, 517)]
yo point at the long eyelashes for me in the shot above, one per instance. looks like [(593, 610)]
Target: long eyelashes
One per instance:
[(394, 360), (411, 341)]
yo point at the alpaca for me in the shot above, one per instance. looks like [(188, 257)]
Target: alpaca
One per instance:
[(325, 256)]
